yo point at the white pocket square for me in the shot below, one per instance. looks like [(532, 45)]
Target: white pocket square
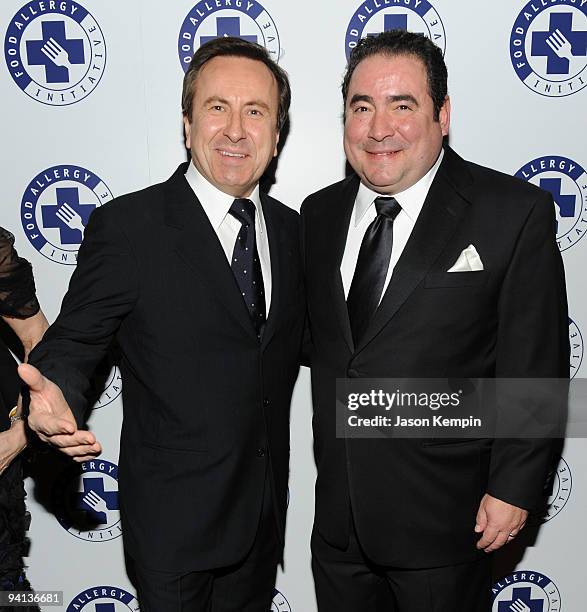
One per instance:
[(468, 261)]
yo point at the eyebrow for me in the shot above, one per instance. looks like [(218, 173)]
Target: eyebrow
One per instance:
[(398, 98), (258, 103), (224, 101)]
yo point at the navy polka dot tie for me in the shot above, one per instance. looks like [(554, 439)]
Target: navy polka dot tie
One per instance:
[(245, 263)]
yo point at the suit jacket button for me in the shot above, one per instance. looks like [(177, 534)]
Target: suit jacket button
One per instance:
[(260, 452), (352, 373), (266, 402)]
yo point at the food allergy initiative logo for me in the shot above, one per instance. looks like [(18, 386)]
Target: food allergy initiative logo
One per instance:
[(209, 19), (561, 490), (526, 591), (111, 389), (577, 347), (106, 382), (56, 207), (548, 47), (375, 16), (103, 599), (55, 51), (279, 603), (567, 182), (85, 501)]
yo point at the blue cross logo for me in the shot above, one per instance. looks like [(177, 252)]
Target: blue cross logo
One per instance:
[(522, 594), (578, 39), (394, 22), (97, 486), (105, 607), (566, 203), (66, 195), (227, 26), (73, 46)]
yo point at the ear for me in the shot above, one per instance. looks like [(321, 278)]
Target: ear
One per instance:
[(444, 116), (187, 128), (276, 143)]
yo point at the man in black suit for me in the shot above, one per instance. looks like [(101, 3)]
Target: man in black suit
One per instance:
[(183, 274), (422, 265)]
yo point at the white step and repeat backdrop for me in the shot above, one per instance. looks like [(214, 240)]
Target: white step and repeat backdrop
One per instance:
[(103, 118)]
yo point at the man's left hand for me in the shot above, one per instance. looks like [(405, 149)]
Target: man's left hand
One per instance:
[(499, 522)]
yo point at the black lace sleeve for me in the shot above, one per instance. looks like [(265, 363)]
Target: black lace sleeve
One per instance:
[(17, 286)]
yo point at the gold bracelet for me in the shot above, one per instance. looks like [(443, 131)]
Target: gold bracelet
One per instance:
[(13, 416)]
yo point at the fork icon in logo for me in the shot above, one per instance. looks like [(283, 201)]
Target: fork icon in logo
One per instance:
[(56, 53), (71, 218), (560, 45), (563, 42), (519, 606), (97, 501), (522, 601), (68, 214), (97, 504)]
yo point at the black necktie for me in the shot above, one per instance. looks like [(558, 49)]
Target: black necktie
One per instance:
[(372, 265), (245, 263)]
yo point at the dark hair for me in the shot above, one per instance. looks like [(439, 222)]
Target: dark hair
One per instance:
[(235, 47), (400, 42)]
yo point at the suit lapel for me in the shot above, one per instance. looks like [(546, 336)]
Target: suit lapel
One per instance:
[(337, 226), (441, 213), (198, 245), (277, 242)]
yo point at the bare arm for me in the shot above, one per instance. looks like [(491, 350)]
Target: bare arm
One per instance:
[(12, 442), (29, 331)]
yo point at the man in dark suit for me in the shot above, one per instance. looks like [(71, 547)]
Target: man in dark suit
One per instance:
[(422, 265), (183, 274)]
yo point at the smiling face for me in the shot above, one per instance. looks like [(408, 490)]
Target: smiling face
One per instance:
[(232, 133), (391, 137)]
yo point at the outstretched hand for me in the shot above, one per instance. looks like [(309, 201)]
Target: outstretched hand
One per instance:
[(51, 417)]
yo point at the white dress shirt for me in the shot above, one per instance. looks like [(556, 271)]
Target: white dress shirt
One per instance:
[(216, 205), (411, 200)]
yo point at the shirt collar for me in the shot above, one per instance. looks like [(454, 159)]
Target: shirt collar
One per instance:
[(216, 203), (411, 200)]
